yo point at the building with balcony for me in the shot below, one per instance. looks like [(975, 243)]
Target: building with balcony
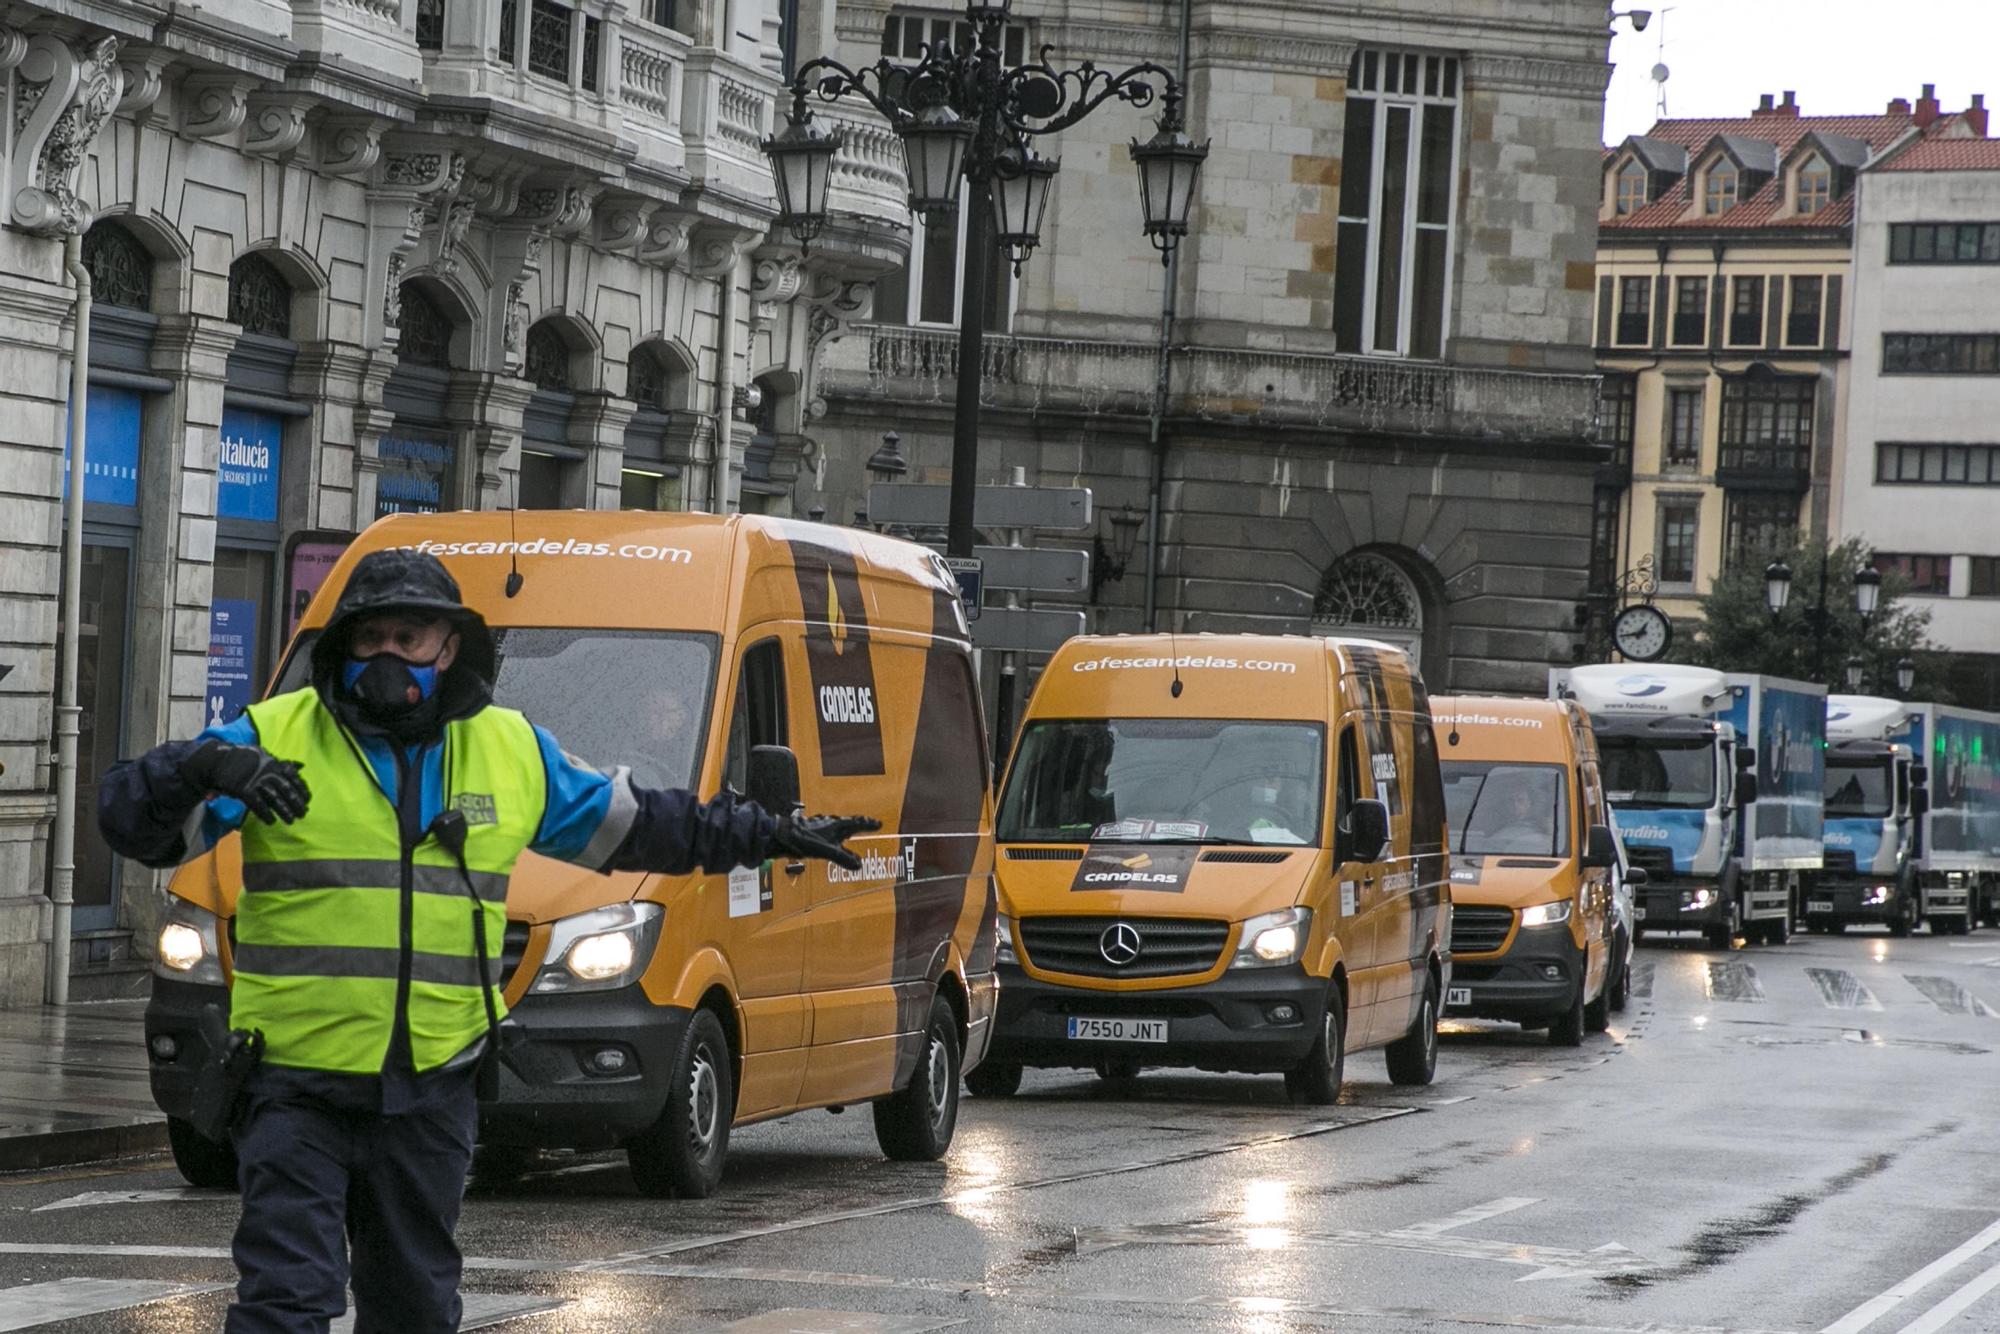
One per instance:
[(1920, 470), (359, 258), (1724, 263), (1375, 403)]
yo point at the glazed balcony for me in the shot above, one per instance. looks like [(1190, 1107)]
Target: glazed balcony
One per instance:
[(1224, 386)]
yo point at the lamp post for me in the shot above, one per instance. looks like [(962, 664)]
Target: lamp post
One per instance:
[(1107, 564), (1778, 594), (1906, 675), (969, 123)]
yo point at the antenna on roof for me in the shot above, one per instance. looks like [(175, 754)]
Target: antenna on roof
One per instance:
[(1660, 70)]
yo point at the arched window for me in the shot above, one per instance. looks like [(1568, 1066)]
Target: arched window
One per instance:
[(1364, 589), (426, 331), (1721, 192), (259, 297), (1632, 181), (121, 270), (1815, 185), (545, 363)]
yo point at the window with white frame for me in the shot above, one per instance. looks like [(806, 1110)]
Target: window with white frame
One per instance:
[(1398, 167), (905, 35), (1719, 193), (1632, 187), (1815, 185)]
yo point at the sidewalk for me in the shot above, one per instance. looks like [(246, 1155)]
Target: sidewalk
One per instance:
[(73, 1085)]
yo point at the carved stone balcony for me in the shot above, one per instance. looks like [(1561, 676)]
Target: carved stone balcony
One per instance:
[(651, 85), (1224, 386), (868, 203), (725, 115)]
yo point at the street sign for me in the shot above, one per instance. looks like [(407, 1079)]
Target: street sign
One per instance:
[(1036, 570), (1024, 630), (970, 572), (1062, 508)]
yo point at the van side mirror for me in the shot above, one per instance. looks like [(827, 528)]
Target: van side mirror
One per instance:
[(1599, 852), (1635, 876), (774, 779), (1746, 758), (1367, 833), (1920, 801), (1920, 775), (1746, 789)]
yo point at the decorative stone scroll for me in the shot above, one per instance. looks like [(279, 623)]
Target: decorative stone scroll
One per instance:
[(64, 94)]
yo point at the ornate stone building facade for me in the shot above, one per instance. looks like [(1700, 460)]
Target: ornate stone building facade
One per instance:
[(357, 258), (1377, 410)]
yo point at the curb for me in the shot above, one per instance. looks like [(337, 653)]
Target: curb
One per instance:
[(63, 1148)]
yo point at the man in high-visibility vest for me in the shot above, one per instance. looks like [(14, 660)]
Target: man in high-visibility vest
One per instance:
[(381, 810)]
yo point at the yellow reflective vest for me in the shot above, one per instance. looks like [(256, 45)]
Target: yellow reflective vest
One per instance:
[(338, 915)]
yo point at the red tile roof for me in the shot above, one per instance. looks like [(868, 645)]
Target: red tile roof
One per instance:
[(1947, 155), (1761, 210)]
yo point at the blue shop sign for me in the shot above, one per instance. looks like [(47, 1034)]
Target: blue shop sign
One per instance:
[(111, 463), (232, 647), (247, 476)]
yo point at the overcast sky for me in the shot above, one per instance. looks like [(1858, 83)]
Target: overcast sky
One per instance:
[(1843, 57)]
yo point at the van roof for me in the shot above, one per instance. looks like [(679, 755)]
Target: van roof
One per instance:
[(636, 570), (1222, 676), (1502, 727)]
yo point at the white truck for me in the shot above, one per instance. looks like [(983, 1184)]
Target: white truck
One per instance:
[(1912, 817), (1714, 782)]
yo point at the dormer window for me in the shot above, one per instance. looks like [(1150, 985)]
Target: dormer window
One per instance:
[(1815, 185), (1632, 180), (1720, 193)]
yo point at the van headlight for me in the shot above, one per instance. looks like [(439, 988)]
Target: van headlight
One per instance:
[(186, 947), (1003, 946), (599, 950), (1273, 939), (1546, 914), (1878, 894)]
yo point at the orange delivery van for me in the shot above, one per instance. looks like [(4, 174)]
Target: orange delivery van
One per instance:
[(787, 660), (1222, 851), (1532, 855)]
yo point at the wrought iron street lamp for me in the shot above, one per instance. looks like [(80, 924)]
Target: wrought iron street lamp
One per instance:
[(1867, 596), (1856, 673), (1107, 563), (1906, 675), (1777, 586), (968, 123)]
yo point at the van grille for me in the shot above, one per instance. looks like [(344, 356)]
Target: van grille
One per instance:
[(1839, 862), (1249, 858), (1657, 863), (1479, 929), (513, 949), (1168, 946), (1044, 854)]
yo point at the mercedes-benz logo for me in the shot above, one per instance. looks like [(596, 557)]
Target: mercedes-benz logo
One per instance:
[(1119, 944)]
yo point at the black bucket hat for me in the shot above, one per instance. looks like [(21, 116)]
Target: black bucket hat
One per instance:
[(403, 580)]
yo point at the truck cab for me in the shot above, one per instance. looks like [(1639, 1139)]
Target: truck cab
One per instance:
[(1676, 787), (1876, 794)]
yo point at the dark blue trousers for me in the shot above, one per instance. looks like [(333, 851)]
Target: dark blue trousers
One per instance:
[(325, 1171)]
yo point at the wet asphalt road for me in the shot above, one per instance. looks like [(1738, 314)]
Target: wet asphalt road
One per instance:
[(1801, 1138)]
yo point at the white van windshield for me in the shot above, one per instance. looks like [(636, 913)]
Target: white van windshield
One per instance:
[(638, 698), (1159, 780), (1507, 809)]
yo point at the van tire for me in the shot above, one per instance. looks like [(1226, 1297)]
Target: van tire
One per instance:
[(1621, 991), (1597, 1014), (915, 1123), (680, 1156), (1566, 1029), (1413, 1058), (1316, 1081), (1723, 937), (1121, 1071), (200, 1160), (995, 1079)]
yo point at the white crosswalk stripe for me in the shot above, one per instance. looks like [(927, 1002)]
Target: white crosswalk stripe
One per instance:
[(36, 1304)]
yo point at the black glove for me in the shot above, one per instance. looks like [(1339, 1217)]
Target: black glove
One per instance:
[(821, 836), (270, 789)]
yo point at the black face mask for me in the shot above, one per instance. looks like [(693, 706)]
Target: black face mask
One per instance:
[(397, 696)]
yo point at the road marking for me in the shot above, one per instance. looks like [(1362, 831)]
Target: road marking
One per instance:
[(1733, 980), (171, 1194), (482, 1309), (73, 1298), (1881, 1304), (1955, 1305), (1642, 980), (795, 1321), (1842, 990), (1949, 996), (980, 1194), (1478, 1213)]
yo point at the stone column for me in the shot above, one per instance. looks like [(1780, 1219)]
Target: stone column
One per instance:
[(489, 446), (597, 423), (343, 383)]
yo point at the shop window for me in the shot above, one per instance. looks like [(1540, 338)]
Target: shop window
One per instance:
[(645, 489), (1398, 173), (541, 481)]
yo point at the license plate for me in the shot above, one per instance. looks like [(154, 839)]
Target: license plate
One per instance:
[(1639, 913), (1820, 905), (1458, 996), (1118, 1030)]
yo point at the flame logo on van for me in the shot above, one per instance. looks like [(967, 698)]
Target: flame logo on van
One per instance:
[(1138, 863), (834, 617)]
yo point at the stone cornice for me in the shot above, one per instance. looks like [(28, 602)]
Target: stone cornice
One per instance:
[(1536, 74)]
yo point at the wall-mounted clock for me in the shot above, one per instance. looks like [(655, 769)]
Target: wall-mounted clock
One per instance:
[(1643, 633)]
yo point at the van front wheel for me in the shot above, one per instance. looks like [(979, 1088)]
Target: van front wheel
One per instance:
[(680, 1156), (1316, 1080), (915, 1123), (1413, 1058)]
